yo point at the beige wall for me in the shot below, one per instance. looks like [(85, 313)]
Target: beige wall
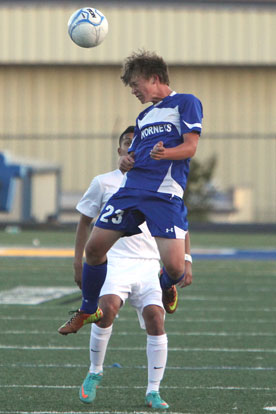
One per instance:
[(72, 116), (66, 105), (182, 34)]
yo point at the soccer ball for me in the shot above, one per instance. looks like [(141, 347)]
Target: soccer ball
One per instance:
[(87, 27)]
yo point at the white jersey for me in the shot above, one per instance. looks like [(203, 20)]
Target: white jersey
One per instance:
[(102, 187)]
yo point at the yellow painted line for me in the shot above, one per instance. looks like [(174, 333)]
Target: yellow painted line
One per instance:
[(35, 252)]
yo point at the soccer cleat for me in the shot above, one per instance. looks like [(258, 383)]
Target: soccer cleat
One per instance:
[(79, 319), (89, 386), (170, 299), (154, 400)]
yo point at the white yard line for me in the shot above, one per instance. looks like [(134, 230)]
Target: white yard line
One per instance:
[(134, 319), (130, 309), (184, 349), (88, 412), (203, 368), (216, 334), (186, 298), (200, 387)]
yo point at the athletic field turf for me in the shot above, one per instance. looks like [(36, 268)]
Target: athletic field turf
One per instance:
[(222, 353)]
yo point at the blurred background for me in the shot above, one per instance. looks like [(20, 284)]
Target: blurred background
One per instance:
[(62, 108)]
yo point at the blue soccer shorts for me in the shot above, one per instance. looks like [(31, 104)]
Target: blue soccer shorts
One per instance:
[(165, 214)]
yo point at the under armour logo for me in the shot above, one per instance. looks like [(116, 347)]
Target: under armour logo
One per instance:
[(168, 230)]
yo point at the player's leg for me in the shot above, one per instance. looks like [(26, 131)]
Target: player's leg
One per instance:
[(93, 277), (147, 299), (100, 335), (100, 332), (172, 252), (113, 295), (166, 217), (118, 217), (95, 266), (157, 350), (115, 220), (98, 244)]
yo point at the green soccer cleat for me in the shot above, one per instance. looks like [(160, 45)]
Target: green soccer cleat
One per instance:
[(154, 400), (89, 386), (78, 320), (170, 299)]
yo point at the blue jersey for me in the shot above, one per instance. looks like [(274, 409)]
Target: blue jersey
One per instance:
[(166, 121)]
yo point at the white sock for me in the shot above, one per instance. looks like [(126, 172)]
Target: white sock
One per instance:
[(157, 350), (98, 343)]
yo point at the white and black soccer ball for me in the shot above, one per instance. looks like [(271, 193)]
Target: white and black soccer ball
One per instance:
[(87, 27)]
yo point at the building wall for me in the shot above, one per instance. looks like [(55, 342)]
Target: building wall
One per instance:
[(72, 116), (182, 34), (66, 105)]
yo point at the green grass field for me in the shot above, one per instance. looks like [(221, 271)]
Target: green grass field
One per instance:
[(222, 353)]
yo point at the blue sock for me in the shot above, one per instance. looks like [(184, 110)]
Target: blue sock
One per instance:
[(166, 282), (93, 278)]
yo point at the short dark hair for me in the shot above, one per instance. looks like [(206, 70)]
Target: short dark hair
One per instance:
[(128, 130), (147, 64)]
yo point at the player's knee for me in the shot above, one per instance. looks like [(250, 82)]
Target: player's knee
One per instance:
[(154, 320), (175, 270), (110, 311), (93, 254), (155, 331)]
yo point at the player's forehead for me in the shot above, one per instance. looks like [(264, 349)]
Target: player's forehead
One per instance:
[(136, 79)]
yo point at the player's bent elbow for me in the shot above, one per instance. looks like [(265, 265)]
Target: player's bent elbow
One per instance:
[(193, 151)]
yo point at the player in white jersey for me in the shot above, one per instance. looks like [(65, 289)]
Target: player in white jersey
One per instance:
[(166, 137), (133, 266)]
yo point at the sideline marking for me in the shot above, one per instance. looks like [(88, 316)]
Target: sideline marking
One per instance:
[(23, 295), (35, 252), (237, 254), (197, 253)]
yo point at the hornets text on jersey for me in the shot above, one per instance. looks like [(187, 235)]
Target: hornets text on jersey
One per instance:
[(166, 121)]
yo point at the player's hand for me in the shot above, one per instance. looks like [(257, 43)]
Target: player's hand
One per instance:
[(78, 273), (158, 151), (187, 279), (126, 162)]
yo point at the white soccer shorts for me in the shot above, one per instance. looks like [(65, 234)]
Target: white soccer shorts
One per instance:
[(136, 280)]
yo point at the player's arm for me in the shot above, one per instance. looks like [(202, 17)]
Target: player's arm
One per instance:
[(185, 150), (82, 235), (187, 280)]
